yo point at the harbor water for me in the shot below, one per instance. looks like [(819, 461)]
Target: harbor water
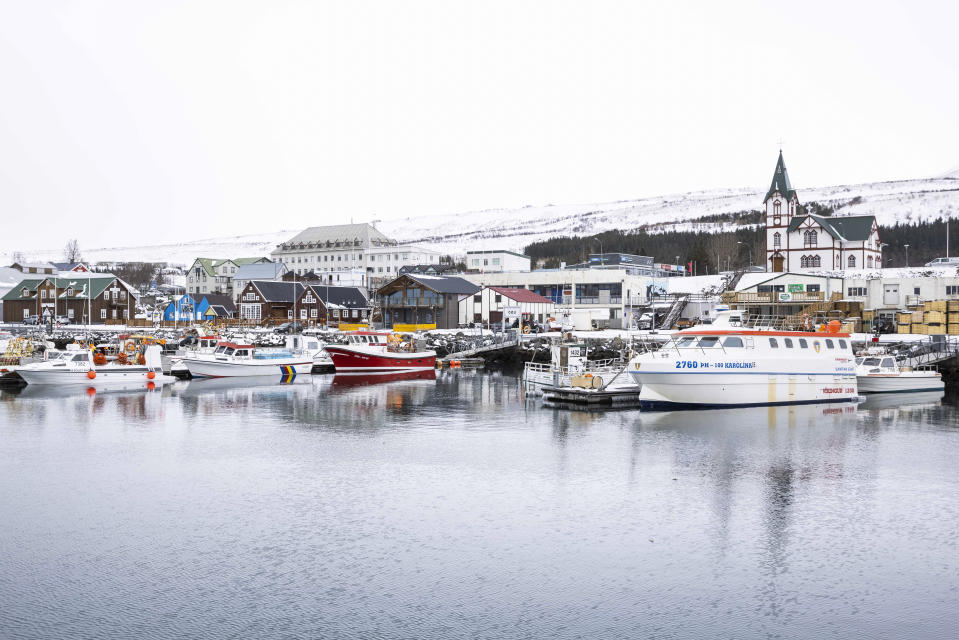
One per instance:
[(455, 507)]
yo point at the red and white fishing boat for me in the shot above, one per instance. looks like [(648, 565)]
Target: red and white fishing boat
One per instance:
[(731, 365), (378, 351)]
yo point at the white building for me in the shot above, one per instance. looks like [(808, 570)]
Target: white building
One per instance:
[(487, 305), (797, 241), (350, 247), (215, 275), (494, 261)]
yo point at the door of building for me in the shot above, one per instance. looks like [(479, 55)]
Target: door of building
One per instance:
[(890, 294), (777, 264)]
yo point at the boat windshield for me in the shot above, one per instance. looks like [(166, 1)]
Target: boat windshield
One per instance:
[(708, 342), (229, 351), (81, 357), (870, 362), (888, 363), (220, 349), (685, 341)]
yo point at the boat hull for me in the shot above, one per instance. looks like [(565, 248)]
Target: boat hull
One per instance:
[(900, 383), (221, 369), (752, 389), (128, 375), (347, 358)]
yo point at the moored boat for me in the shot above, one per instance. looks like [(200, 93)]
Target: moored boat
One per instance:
[(730, 365), (231, 359), (882, 374), (78, 366), (378, 351)]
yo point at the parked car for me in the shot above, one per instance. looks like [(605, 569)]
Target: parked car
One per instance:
[(34, 319), (943, 262), (289, 327), (62, 320)]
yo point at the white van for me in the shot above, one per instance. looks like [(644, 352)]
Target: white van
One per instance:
[(943, 262)]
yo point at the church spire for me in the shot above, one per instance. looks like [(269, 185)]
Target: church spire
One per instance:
[(780, 181)]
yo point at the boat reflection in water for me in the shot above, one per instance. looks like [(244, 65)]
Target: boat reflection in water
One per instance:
[(750, 417), (896, 400), (365, 379)]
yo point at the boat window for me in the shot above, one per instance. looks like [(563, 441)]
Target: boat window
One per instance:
[(773, 343), (733, 341), (842, 344), (859, 361), (242, 352), (708, 342), (788, 342), (870, 362), (685, 341), (229, 351), (81, 357), (220, 349), (888, 363), (803, 343), (829, 344)]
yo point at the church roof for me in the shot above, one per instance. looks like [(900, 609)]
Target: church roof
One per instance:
[(780, 181), (845, 228)]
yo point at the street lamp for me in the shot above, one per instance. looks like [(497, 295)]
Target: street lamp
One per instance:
[(907, 255), (750, 250)]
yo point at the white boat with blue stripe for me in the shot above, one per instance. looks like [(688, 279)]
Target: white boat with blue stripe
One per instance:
[(730, 365)]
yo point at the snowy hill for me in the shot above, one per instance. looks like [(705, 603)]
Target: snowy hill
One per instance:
[(904, 201)]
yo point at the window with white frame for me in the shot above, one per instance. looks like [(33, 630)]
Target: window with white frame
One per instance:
[(856, 292), (103, 314), (289, 314), (313, 313)]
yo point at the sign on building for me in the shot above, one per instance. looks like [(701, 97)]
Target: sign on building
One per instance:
[(512, 312)]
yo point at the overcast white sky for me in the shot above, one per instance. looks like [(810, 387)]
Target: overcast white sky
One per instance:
[(205, 118)]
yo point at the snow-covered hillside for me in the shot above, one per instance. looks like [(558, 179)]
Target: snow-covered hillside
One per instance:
[(904, 201)]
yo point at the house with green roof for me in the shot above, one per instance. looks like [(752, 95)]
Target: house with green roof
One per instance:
[(215, 275), (80, 298), (797, 241)]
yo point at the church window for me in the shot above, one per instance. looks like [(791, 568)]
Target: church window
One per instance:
[(816, 261), (777, 239), (776, 208), (803, 262), (851, 262), (809, 239), (869, 262)]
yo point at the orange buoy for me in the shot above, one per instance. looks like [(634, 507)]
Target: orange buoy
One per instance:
[(151, 385), (151, 375), (91, 374)]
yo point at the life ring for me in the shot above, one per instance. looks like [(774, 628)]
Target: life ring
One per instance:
[(130, 347), (526, 328)]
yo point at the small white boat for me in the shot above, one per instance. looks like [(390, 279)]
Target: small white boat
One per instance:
[(231, 359), (730, 365), (882, 374), (569, 360), (76, 366)]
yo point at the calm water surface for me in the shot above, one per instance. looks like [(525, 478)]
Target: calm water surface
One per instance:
[(454, 508)]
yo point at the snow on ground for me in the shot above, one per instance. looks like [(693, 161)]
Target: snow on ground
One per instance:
[(696, 284), (902, 201)]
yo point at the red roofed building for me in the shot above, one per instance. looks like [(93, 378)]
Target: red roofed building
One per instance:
[(488, 305)]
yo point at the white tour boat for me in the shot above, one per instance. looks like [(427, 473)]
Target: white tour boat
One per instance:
[(378, 351), (229, 359), (729, 365), (881, 374), (76, 366)]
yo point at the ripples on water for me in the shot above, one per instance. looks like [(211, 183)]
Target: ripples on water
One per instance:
[(454, 507)]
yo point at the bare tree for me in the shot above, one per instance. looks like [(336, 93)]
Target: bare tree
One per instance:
[(71, 252), (721, 247)]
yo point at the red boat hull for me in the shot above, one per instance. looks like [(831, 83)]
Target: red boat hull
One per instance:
[(346, 358)]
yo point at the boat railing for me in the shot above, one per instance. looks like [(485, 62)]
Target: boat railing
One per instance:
[(592, 366)]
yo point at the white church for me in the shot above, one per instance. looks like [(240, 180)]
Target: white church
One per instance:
[(798, 241)]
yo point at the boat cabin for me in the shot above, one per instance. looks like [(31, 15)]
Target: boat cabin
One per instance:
[(233, 350), (369, 338)]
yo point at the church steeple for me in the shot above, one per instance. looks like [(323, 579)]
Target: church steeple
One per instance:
[(780, 181)]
